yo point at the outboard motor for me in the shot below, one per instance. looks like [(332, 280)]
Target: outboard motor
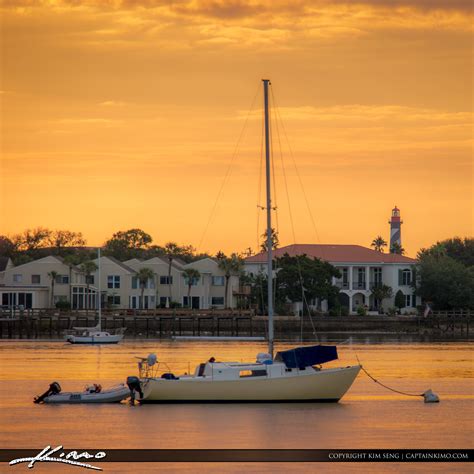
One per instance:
[(134, 386), (54, 389)]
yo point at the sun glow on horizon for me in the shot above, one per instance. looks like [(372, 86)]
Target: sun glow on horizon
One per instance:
[(127, 115)]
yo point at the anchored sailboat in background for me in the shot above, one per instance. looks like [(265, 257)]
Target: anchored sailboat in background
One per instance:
[(95, 335), (291, 376)]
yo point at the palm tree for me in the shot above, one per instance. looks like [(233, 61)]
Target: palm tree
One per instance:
[(230, 266), (143, 276), (381, 292), (397, 248), (190, 274), (171, 249), (88, 268), (274, 238), (378, 243), (52, 274)]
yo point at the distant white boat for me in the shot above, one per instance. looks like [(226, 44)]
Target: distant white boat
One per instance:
[(292, 376), (219, 338), (95, 335)]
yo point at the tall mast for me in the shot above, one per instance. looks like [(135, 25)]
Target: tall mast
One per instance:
[(266, 83), (99, 296)]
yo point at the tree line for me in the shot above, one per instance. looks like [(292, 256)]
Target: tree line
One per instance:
[(444, 272), (39, 242)]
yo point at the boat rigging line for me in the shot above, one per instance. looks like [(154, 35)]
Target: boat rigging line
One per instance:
[(298, 175), (229, 168), (428, 395), (290, 213)]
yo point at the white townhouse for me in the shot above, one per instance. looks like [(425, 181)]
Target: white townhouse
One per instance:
[(42, 283), (361, 269), (164, 288), (207, 291)]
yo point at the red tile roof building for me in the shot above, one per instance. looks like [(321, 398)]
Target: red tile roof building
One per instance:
[(335, 253), (361, 270)]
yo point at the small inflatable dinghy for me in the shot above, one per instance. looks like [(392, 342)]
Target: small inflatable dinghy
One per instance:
[(91, 394)]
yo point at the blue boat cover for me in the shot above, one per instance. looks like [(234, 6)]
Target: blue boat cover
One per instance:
[(307, 356)]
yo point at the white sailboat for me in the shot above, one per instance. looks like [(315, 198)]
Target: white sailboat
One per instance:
[(292, 376), (95, 335)]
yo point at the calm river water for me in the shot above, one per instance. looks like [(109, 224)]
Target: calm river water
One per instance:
[(368, 416)]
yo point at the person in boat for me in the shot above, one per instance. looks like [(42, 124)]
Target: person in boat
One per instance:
[(212, 360), (134, 386)]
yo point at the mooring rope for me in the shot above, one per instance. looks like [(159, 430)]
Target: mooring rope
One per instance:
[(385, 386)]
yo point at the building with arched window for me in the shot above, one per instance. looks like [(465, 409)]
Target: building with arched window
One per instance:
[(361, 270)]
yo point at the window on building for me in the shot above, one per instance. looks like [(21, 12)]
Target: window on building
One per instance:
[(166, 280), (113, 300), (194, 281), (163, 300), (17, 278), (62, 279), (5, 299), (345, 275), (377, 275), (410, 300), (83, 299), (195, 302), (25, 300), (405, 277), (218, 281), (150, 283), (217, 301), (35, 279), (113, 281), (90, 279)]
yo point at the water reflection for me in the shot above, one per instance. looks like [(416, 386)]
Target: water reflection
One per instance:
[(368, 416)]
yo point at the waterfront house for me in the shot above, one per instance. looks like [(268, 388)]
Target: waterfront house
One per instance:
[(42, 283), (361, 269), (209, 290), (45, 282)]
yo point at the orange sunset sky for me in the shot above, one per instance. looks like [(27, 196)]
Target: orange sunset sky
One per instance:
[(120, 113)]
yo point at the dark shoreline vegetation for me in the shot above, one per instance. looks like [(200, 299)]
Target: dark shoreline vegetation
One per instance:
[(444, 276)]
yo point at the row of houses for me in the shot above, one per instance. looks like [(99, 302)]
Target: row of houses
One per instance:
[(31, 285), (47, 281)]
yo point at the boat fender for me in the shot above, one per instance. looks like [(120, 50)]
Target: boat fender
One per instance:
[(430, 397)]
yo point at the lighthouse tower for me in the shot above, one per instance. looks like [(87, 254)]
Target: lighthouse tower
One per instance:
[(395, 228)]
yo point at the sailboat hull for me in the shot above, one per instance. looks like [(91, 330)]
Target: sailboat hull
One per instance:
[(110, 339), (328, 385)]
